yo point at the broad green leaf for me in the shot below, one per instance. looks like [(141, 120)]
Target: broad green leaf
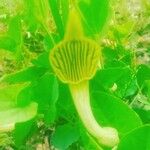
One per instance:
[(45, 93), (14, 30), (117, 56), (114, 63), (64, 136), (12, 39), (10, 112), (144, 114), (42, 61), (138, 139), (7, 43), (120, 77), (147, 89), (111, 111), (131, 88), (26, 129), (28, 74), (65, 108), (109, 54), (24, 96), (108, 76), (49, 41), (8, 95), (143, 74), (94, 13)]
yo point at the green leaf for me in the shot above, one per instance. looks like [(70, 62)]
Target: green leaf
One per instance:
[(28, 74), (10, 113), (64, 136), (29, 15), (144, 114), (121, 55), (41, 10), (65, 11), (143, 74), (8, 118), (113, 63), (111, 75), (25, 129), (95, 13), (65, 108), (45, 93), (112, 111), (57, 17), (109, 54), (42, 61), (138, 139), (147, 88), (7, 43), (49, 41), (14, 30), (105, 79), (24, 96), (8, 95), (12, 40)]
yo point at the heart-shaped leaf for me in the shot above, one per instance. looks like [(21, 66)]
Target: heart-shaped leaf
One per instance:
[(112, 111)]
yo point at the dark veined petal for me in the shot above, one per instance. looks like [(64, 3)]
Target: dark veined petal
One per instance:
[(75, 60)]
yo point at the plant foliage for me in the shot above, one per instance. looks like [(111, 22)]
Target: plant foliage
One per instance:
[(36, 108)]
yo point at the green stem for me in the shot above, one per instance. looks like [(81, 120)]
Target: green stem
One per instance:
[(106, 136)]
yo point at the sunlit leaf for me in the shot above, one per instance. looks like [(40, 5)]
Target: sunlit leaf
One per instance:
[(45, 93), (116, 80), (64, 136), (111, 111), (143, 74), (10, 113), (95, 13), (28, 74), (138, 139), (26, 129)]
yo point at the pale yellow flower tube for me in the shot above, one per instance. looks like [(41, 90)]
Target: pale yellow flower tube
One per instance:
[(75, 61)]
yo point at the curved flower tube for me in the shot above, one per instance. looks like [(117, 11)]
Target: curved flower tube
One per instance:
[(75, 61)]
